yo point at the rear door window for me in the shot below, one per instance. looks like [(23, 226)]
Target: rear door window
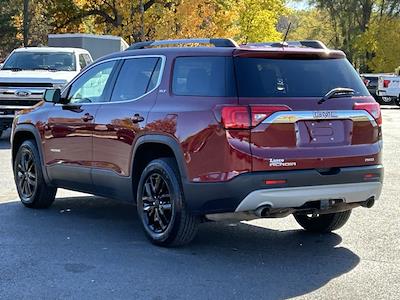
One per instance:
[(136, 78), (262, 77), (203, 76), (82, 61), (87, 59)]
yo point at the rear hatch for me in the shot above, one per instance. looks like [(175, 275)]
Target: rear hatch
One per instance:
[(291, 128)]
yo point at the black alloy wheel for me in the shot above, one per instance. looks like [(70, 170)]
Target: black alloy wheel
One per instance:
[(161, 205), (26, 174), (157, 206), (32, 188)]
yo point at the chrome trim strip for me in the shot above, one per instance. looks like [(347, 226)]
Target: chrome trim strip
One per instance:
[(7, 116), (163, 61), (12, 90), (20, 107), (289, 117)]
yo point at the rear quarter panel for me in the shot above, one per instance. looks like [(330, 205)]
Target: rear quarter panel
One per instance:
[(211, 154)]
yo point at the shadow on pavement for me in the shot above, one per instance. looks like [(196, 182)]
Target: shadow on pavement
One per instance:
[(93, 246)]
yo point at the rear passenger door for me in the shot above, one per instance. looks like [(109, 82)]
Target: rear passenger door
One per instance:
[(122, 120)]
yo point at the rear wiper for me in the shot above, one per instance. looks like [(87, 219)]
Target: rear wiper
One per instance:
[(337, 92)]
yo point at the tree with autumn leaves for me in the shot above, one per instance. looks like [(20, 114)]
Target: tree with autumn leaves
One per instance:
[(368, 31), (138, 20)]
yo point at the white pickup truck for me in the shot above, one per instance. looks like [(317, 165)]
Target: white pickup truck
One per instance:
[(28, 72), (389, 86)]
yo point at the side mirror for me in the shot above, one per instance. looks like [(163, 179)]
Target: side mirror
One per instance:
[(53, 96)]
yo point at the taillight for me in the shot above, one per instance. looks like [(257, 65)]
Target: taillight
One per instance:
[(245, 117), (386, 83), (235, 117), (372, 108)]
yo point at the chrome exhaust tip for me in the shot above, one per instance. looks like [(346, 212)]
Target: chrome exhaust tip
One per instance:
[(369, 203)]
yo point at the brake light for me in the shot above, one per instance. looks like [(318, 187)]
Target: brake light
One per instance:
[(373, 108), (386, 83), (245, 117), (235, 117)]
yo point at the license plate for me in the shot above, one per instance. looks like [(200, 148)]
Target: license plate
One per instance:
[(324, 133)]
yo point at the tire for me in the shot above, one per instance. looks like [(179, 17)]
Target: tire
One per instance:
[(385, 100), (323, 223), (161, 205), (31, 186), (397, 101)]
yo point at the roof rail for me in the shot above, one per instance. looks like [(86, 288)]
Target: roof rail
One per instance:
[(305, 43), (215, 42)]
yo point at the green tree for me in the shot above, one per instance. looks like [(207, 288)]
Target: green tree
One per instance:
[(311, 24), (258, 20), (8, 27)]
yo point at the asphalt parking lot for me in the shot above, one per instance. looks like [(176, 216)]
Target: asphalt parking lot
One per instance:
[(88, 248)]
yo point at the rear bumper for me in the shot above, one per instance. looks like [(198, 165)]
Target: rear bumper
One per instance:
[(248, 191), (298, 196)]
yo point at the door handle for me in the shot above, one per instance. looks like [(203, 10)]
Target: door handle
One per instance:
[(87, 117), (137, 118)]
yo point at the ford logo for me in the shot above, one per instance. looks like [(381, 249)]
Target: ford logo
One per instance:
[(22, 93)]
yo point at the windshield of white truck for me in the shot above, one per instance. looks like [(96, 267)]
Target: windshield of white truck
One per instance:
[(51, 61)]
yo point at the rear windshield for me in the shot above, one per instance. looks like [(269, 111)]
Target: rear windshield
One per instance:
[(53, 61), (262, 77)]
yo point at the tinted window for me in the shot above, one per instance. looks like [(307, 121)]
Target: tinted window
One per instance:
[(155, 76), (134, 79), (91, 86), (203, 76), (261, 77), (82, 61), (57, 61), (87, 58)]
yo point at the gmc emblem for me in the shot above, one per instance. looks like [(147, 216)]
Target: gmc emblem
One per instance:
[(324, 115)]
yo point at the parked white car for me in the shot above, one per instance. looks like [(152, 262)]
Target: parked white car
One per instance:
[(389, 86), (28, 72)]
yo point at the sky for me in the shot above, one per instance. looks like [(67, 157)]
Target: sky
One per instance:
[(298, 4)]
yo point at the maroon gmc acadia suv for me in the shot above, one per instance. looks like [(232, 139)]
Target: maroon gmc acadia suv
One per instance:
[(192, 134)]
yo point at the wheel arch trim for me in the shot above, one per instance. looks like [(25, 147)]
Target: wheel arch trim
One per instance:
[(164, 140), (35, 132)]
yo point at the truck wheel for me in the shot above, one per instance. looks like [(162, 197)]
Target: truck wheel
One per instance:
[(31, 186), (323, 223), (397, 101), (161, 205), (385, 100)]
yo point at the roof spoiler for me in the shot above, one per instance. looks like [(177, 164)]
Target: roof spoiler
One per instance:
[(305, 43), (215, 42)]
